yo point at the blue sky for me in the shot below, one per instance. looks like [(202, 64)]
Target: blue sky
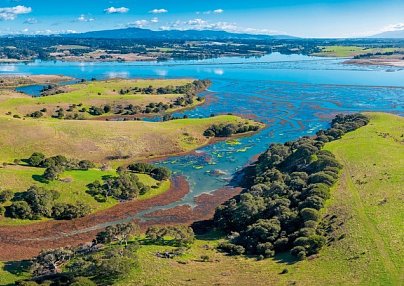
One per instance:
[(305, 18)]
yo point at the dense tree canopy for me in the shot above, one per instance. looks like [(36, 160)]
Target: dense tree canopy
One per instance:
[(280, 208), (37, 202)]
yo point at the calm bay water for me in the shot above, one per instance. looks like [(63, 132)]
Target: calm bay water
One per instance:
[(294, 95)]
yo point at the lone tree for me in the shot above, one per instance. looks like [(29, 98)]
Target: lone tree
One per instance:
[(119, 232)]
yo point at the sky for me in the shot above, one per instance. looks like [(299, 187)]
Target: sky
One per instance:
[(302, 18)]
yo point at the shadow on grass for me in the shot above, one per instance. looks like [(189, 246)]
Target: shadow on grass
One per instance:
[(211, 235), (17, 268), (285, 258), (106, 177), (39, 179), (165, 242)]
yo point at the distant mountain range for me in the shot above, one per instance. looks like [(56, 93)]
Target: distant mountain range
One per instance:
[(138, 33), (390, 35)]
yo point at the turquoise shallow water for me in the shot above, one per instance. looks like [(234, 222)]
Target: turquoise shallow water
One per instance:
[(295, 95)]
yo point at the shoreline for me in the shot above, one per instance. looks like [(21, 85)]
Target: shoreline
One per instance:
[(146, 115), (211, 141), (12, 81), (376, 62)]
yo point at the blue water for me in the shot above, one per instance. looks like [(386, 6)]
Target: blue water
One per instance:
[(294, 95), (33, 90)]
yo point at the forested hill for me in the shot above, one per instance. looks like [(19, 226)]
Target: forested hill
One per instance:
[(137, 33), (281, 209)]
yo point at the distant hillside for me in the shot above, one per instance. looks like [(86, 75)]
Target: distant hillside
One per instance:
[(390, 35), (137, 33)]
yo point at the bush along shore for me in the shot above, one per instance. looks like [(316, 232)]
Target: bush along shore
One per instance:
[(285, 191)]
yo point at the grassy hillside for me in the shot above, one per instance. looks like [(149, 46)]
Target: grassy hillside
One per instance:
[(367, 199), (94, 93), (97, 140), (369, 247)]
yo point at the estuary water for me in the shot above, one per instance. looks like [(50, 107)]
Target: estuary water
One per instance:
[(294, 95)]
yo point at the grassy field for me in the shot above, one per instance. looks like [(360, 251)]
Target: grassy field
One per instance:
[(367, 199), (350, 51), (89, 94), (97, 140), (72, 186)]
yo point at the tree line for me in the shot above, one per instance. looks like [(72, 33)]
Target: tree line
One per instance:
[(126, 186), (226, 130), (37, 203), (56, 165), (286, 189)]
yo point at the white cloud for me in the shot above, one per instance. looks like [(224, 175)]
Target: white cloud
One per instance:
[(113, 10), (139, 23), (31, 21), (46, 32), (83, 18), (201, 24), (216, 11), (387, 28), (197, 22), (10, 13), (143, 23), (394, 27), (158, 11)]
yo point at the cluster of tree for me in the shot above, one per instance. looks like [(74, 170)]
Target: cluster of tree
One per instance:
[(116, 233), (120, 109), (57, 164), (37, 202), (168, 117), (189, 92), (194, 88), (110, 257), (226, 130), (280, 208), (100, 263), (369, 55), (125, 186), (173, 235), (157, 173), (71, 113), (60, 113), (36, 114), (51, 89), (5, 196)]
